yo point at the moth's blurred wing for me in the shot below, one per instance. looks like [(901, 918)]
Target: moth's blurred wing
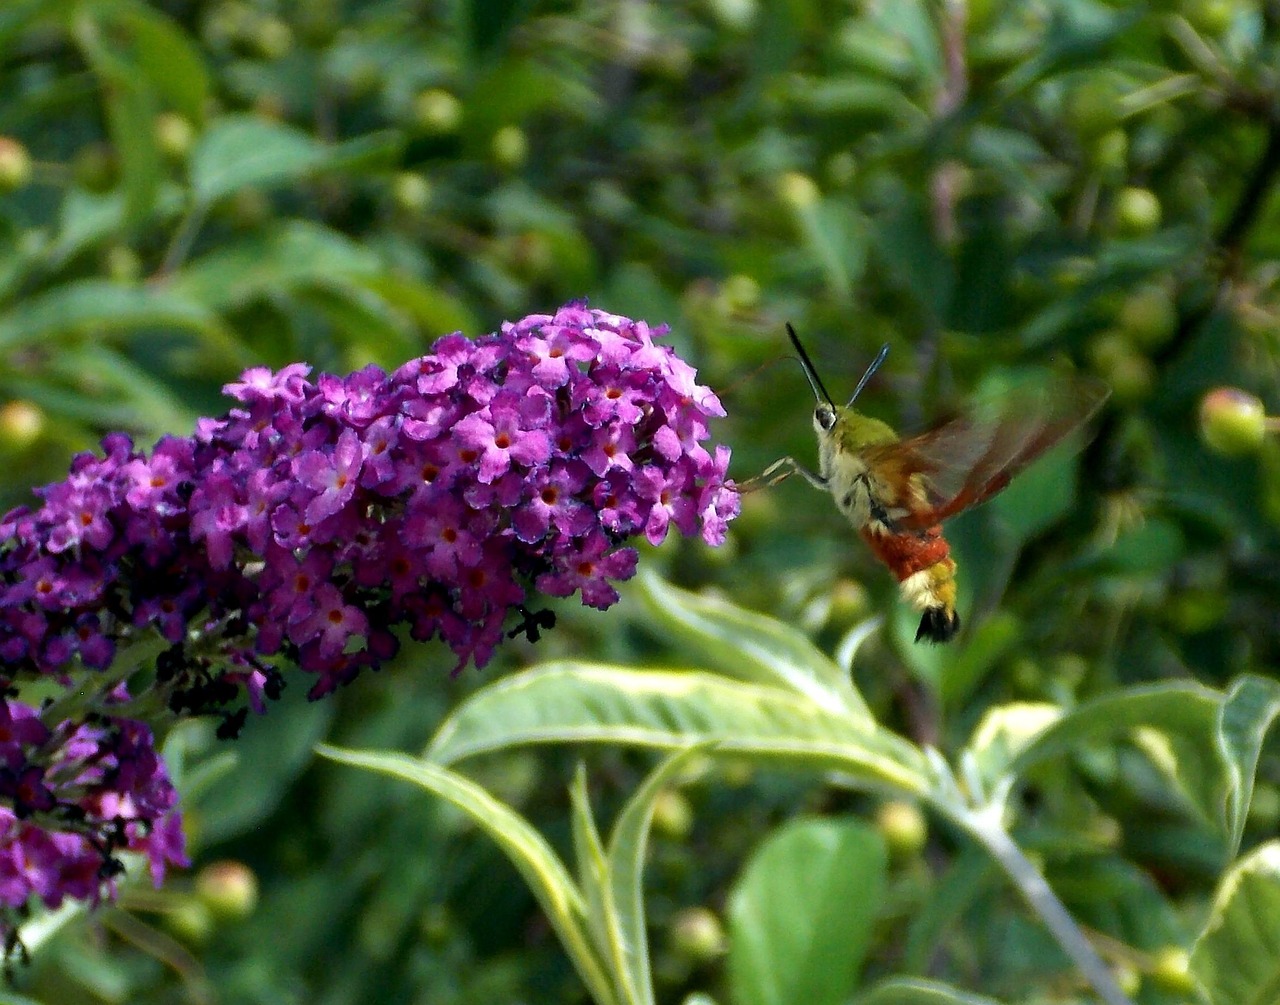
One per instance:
[(967, 460)]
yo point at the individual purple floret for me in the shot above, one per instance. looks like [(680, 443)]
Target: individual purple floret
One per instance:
[(310, 523)]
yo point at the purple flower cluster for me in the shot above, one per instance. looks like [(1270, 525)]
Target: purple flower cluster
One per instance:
[(72, 797), (317, 523)]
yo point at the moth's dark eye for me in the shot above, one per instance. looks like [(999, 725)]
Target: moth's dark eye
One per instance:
[(824, 416)]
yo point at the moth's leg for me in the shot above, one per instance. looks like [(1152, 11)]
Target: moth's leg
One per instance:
[(793, 467), (779, 471)]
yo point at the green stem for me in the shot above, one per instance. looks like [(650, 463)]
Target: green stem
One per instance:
[(985, 826), (95, 683)]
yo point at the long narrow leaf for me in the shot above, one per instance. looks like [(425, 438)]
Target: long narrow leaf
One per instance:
[(627, 846), (750, 647), (590, 703), (593, 865), (529, 852)]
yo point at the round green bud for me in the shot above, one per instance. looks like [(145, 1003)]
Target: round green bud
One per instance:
[(122, 263), (1130, 375), (736, 15), (248, 208), (1171, 971), (1193, 611), (672, 814), (190, 921), (271, 38), (1069, 273), (903, 827), (1092, 106), (697, 935), (531, 254), (1233, 422), (798, 190), (15, 164), (1137, 210), (228, 889), (21, 424), (1148, 316), (95, 167), (842, 168), (411, 191), (1129, 978), (510, 146), (1110, 150), (849, 602), (740, 292), (1264, 807), (174, 135), (437, 111)]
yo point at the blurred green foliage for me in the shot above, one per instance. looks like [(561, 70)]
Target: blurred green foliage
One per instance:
[(991, 187)]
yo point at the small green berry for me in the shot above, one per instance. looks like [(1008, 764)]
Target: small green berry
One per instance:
[(228, 889), (510, 146), (411, 191), (174, 135), (1232, 422), (1137, 210), (21, 424), (15, 164), (437, 111), (1171, 971), (1148, 317), (798, 190), (903, 828), (697, 935)]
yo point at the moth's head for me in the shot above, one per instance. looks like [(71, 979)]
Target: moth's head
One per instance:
[(825, 417), (828, 417)]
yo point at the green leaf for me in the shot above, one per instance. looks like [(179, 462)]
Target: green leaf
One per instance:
[(751, 647), (487, 23), (528, 850), (433, 310), (571, 702), (801, 915), (167, 57), (1247, 712), (131, 113), (593, 864), (986, 645), (136, 397), (100, 305), (1237, 957), (1175, 724), (1005, 731), (627, 846), (12, 998), (916, 991), (242, 150), (971, 874), (835, 235), (296, 253), (85, 218)]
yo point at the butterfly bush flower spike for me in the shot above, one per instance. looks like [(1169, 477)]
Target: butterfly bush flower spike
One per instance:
[(310, 529)]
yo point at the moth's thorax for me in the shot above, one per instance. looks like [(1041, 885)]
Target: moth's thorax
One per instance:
[(842, 465)]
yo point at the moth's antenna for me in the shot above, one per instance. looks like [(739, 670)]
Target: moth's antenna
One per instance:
[(815, 381), (875, 365)]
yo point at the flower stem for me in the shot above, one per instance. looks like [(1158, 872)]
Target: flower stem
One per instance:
[(1043, 901)]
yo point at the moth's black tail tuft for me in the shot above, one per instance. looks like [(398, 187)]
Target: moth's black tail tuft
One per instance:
[(938, 624)]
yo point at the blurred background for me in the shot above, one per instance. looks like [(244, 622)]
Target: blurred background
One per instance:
[(998, 189)]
